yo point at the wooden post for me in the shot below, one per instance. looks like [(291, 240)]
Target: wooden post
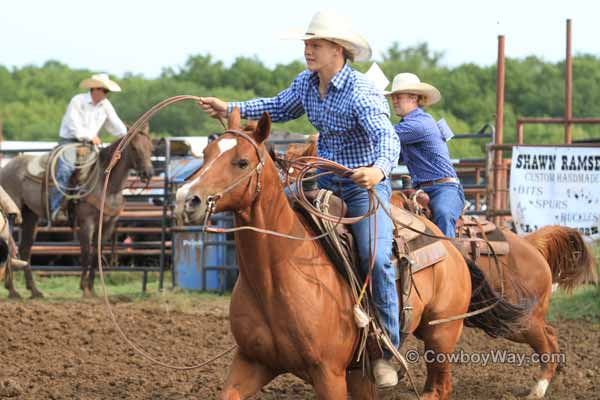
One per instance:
[(568, 87), (497, 197)]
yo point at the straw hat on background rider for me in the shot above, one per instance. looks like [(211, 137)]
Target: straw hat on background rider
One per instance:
[(411, 84), (100, 81)]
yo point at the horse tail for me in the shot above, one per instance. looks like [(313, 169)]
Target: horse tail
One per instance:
[(505, 318), (571, 261)]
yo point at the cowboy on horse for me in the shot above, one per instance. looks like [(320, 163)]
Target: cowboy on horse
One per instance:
[(352, 117), (425, 151), (86, 114)]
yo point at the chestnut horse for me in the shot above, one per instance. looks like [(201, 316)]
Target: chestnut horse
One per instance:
[(553, 254), (290, 310), (27, 195)]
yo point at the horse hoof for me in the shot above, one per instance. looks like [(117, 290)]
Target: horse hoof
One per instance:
[(14, 296), (539, 390), (36, 294)]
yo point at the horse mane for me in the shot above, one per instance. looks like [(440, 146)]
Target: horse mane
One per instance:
[(280, 163), (107, 152)]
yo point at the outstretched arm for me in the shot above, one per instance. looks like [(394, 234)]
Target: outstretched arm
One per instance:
[(285, 106)]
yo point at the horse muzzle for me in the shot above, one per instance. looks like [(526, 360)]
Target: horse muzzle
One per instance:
[(147, 174), (190, 209)]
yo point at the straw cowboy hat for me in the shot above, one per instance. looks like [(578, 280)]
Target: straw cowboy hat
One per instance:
[(100, 81), (330, 26), (410, 83)]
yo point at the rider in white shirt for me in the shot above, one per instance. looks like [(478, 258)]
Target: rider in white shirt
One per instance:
[(86, 114)]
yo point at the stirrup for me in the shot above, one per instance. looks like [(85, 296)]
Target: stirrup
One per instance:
[(385, 373)]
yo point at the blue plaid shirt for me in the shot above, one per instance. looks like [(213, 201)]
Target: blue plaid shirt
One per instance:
[(424, 150), (352, 120)]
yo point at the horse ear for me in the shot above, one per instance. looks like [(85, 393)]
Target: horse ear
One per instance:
[(234, 119), (263, 128), (145, 129)]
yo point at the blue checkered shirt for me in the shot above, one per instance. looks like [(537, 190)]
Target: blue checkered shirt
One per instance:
[(352, 120), (424, 150)]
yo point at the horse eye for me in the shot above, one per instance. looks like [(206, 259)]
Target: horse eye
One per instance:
[(242, 163)]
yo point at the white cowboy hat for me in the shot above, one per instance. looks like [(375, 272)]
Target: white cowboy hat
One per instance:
[(410, 83), (330, 26), (100, 81)]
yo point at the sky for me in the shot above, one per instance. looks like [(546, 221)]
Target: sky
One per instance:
[(143, 37)]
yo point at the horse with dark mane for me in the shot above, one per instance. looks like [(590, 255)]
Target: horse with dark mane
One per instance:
[(291, 311), (552, 254), (26, 192)]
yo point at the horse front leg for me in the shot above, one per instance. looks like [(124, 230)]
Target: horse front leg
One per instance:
[(85, 241), (245, 378), (329, 384), (108, 231), (28, 229), (360, 385), (9, 285)]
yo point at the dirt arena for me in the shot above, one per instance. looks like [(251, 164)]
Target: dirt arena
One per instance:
[(71, 351)]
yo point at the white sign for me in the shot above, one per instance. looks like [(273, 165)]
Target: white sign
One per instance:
[(376, 75), (556, 186)]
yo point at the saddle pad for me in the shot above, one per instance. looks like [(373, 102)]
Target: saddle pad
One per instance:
[(423, 251), (422, 258), (36, 167)]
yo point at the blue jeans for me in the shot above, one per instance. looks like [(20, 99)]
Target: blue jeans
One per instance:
[(446, 201), (385, 296), (64, 170)]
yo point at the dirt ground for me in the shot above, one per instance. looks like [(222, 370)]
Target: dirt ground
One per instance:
[(71, 351)]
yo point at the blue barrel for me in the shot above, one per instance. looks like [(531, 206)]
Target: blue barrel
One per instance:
[(188, 248)]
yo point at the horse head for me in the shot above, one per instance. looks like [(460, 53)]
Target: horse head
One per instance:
[(230, 178), (141, 153)]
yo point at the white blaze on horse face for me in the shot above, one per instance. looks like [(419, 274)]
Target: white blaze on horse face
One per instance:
[(182, 193), (539, 390), (226, 144)]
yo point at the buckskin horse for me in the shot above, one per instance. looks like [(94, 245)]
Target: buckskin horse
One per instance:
[(26, 192), (290, 310), (552, 254)]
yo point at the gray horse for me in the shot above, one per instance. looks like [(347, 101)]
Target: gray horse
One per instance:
[(26, 192)]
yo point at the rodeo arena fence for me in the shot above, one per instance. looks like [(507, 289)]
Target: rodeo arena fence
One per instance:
[(147, 240)]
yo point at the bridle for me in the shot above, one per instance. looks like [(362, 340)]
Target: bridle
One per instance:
[(211, 200)]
